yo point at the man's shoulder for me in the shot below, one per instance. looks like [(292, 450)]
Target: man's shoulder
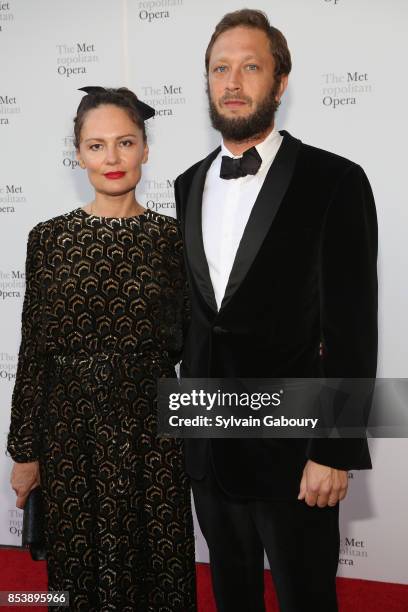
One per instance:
[(328, 172), (187, 175), (326, 161)]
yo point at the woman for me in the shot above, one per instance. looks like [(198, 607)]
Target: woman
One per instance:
[(102, 320)]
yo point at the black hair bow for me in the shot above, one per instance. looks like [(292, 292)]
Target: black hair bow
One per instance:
[(146, 111)]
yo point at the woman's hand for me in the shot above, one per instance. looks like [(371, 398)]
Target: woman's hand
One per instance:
[(24, 478)]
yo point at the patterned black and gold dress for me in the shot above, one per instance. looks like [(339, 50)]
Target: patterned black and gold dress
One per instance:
[(102, 320)]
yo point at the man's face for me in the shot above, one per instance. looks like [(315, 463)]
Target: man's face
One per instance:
[(243, 93)]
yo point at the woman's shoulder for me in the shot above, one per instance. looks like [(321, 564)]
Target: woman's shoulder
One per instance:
[(164, 228), (164, 224), (161, 219), (42, 230)]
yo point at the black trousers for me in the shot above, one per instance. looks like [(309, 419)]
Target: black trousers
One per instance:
[(301, 543)]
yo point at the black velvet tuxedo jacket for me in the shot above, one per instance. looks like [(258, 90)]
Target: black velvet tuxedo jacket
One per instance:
[(304, 274)]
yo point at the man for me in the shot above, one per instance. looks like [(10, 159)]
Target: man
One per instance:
[(281, 246)]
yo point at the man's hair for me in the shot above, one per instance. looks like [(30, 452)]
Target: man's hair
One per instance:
[(250, 18)]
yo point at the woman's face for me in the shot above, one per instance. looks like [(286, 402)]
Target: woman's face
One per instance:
[(112, 150)]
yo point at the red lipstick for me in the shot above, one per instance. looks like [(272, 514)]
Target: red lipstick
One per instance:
[(114, 175)]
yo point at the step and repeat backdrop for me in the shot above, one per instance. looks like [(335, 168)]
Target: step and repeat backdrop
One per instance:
[(347, 93)]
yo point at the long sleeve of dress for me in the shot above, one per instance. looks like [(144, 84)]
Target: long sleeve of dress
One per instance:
[(27, 401), (179, 298)]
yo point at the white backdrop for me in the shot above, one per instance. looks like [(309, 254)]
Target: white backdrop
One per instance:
[(347, 94)]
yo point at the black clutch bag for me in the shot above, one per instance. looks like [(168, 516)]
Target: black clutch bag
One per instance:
[(33, 525)]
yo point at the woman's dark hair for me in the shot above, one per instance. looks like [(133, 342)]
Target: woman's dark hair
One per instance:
[(250, 18), (121, 97)]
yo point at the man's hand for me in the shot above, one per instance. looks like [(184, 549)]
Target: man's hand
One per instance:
[(322, 485), (24, 478)]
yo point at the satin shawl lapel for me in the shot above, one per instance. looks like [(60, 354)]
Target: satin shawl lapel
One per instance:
[(263, 212), (193, 232)]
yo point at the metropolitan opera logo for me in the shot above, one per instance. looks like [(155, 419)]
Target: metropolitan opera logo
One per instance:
[(156, 10), (10, 195), (15, 522), (351, 550), (69, 159), (8, 367), (6, 16), (346, 89), (158, 195), (165, 98), (12, 285), (75, 58), (9, 107)]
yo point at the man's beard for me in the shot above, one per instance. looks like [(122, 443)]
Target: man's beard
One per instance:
[(239, 129)]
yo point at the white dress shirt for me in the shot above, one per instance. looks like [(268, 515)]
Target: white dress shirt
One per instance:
[(227, 204)]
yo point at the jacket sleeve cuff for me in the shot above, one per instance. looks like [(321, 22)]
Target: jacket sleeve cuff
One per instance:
[(341, 454)]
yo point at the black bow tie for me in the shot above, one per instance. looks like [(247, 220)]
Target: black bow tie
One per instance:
[(249, 163)]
